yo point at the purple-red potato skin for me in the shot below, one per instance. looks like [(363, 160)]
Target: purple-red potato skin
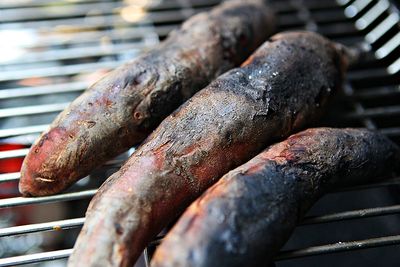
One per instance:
[(283, 86), (121, 109), (248, 215)]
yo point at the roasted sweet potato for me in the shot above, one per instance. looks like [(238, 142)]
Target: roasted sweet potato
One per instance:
[(247, 216), (282, 87), (121, 109)]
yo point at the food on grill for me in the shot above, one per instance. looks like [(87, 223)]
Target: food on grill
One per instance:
[(282, 86), (121, 109), (247, 216)]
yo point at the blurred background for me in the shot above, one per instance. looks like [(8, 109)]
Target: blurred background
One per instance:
[(51, 50)]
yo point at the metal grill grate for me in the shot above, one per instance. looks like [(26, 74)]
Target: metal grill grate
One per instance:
[(54, 46)]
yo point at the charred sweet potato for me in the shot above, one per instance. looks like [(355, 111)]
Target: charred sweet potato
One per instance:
[(248, 215), (121, 109)]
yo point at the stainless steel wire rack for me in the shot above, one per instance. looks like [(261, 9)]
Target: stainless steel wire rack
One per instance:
[(50, 51)]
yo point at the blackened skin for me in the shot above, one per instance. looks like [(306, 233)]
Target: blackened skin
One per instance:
[(248, 215), (282, 86), (122, 108)]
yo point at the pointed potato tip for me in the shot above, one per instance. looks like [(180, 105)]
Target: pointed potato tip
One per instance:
[(34, 187), (33, 184)]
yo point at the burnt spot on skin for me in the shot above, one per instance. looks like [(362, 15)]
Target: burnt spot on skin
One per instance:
[(118, 228), (228, 137), (137, 115), (139, 78), (90, 124), (161, 102), (121, 131), (43, 139), (82, 151), (322, 95), (109, 103)]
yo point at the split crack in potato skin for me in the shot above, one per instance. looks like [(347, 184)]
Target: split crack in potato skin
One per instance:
[(227, 108), (44, 179), (122, 108)]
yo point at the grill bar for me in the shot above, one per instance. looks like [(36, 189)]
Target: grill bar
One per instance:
[(377, 92), (339, 247), (33, 13), (388, 47), (32, 110), (24, 3), (57, 70), (382, 28), (350, 215), (394, 67), (356, 7), (76, 53), (35, 258), (42, 90), (101, 8), (372, 14), (392, 132), (41, 227), (20, 201), (9, 177), (114, 35), (103, 20), (16, 153), (376, 112), (23, 130)]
